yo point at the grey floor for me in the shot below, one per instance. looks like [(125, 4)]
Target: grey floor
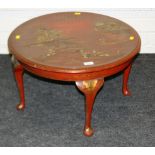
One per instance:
[(54, 114)]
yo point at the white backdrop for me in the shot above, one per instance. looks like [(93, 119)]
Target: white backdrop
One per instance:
[(143, 20)]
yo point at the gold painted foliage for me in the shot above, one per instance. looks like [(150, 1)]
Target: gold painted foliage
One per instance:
[(110, 26), (92, 53), (45, 35)]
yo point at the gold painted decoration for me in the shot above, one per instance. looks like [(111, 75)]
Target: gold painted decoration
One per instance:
[(93, 53), (51, 41), (86, 54), (51, 51), (113, 32), (47, 35), (14, 61), (90, 85), (109, 26)]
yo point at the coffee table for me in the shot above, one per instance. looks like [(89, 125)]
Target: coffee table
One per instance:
[(74, 46)]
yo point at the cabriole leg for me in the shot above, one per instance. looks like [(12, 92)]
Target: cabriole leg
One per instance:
[(125, 88), (90, 89), (18, 71)]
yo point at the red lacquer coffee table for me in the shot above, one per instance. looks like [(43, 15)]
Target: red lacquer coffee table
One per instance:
[(74, 46)]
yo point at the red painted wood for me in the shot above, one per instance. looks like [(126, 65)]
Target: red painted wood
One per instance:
[(18, 72), (56, 46), (125, 88), (90, 94), (76, 76), (62, 42)]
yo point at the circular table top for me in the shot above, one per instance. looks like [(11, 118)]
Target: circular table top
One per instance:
[(73, 41)]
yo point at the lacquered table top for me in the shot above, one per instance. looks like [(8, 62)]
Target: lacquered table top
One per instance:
[(73, 40)]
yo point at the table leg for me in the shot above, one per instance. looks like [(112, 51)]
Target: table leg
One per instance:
[(125, 88), (90, 89), (18, 71)]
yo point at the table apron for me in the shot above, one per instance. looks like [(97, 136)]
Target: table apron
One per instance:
[(76, 76)]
